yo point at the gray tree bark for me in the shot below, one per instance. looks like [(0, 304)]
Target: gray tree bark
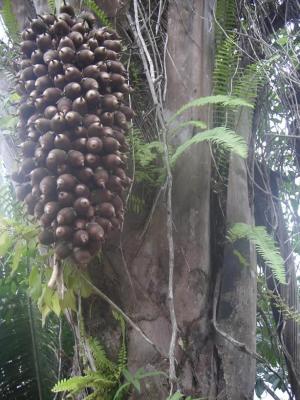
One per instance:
[(207, 365), (134, 270)]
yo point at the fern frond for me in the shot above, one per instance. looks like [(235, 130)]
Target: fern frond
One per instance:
[(103, 364), (248, 82), (222, 136), (100, 14), (122, 356), (289, 313), (73, 384), (9, 20), (226, 18), (76, 384), (95, 396), (226, 101), (136, 204), (196, 124), (226, 60), (52, 6), (264, 244)]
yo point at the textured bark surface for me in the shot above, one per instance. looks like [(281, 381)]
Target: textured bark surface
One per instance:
[(206, 366), (134, 273), (237, 301)]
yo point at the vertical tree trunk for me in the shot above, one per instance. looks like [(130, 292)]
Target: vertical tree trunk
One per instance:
[(134, 273), (207, 365)]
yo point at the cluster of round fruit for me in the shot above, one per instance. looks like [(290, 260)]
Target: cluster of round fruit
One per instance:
[(72, 126)]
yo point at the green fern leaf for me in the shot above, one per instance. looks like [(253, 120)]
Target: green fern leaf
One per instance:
[(78, 383), (101, 360), (288, 313), (226, 17), (95, 396), (226, 101), (73, 384), (264, 244), (248, 82), (9, 20), (52, 6), (100, 14), (226, 61), (221, 136), (122, 356), (196, 124), (136, 204)]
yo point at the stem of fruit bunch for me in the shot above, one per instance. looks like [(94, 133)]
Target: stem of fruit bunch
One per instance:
[(56, 279)]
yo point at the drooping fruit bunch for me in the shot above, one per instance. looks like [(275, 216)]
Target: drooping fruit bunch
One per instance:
[(72, 126)]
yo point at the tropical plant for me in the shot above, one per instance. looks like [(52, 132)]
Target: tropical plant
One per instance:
[(30, 354), (104, 381), (100, 14), (264, 244), (10, 21), (133, 381), (221, 136), (146, 159), (178, 396), (224, 100)]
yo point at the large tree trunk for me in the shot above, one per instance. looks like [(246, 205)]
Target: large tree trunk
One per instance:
[(207, 364), (134, 273)]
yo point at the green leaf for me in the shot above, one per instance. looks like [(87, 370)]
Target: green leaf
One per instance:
[(221, 136), (98, 12), (176, 396), (8, 122), (51, 5), (10, 21), (152, 374), (120, 390), (19, 250), (128, 376), (264, 244), (226, 101), (5, 243), (45, 311), (69, 300), (45, 302), (196, 124), (35, 283), (55, 304), (14, 97)]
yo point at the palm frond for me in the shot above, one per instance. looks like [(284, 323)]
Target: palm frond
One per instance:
[(226, 18), (195, 124), (136, 204), (9, 20), (226, 101), (122, 356), (74, 384), (289, 313), (102, 362), (26, 346), (248, 82), (52, 6), (100, 14), (222, 136), (226, 60), (264, 244)]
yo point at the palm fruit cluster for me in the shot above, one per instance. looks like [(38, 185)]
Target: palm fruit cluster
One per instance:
[(72, 125)]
